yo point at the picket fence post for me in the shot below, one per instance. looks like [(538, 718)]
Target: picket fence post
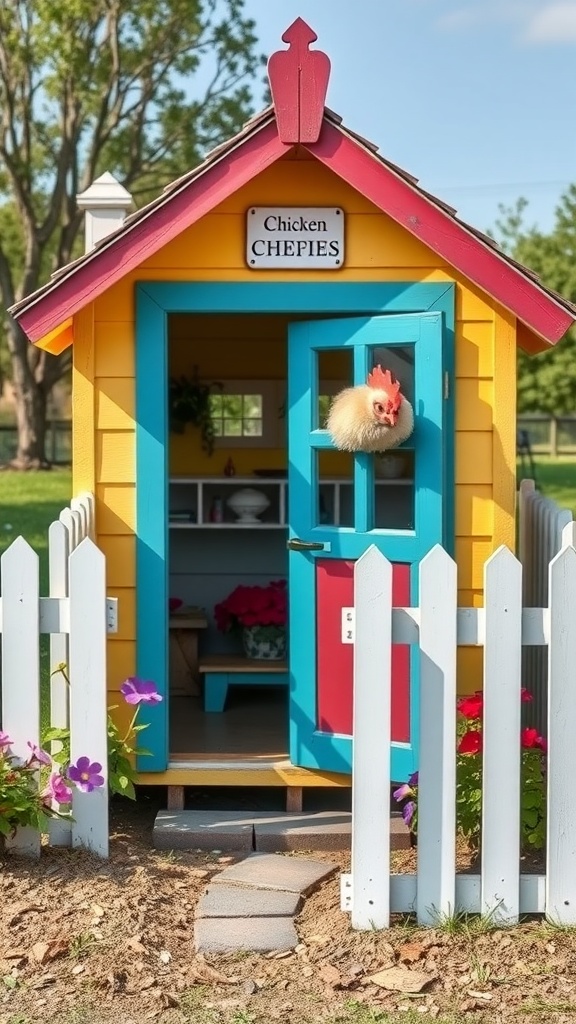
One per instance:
[(561, 824), (569, 535), (19, 586), (371, 737), (527, 492), (88, 710), (78, 505), (58, 553), (437, 768), (500, 874), (69, 522)]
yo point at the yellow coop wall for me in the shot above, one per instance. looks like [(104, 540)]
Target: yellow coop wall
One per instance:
[(377, 249)]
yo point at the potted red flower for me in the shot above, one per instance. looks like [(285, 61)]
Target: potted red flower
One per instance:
[(260, 615)]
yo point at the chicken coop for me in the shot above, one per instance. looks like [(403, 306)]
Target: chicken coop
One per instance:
[(214, 333)]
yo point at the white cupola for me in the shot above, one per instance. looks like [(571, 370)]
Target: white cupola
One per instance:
[(106, 202)]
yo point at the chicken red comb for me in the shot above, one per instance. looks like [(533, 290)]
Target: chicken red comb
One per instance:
[(384, 381)]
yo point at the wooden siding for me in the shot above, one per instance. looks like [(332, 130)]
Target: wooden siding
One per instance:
[(377, 249)]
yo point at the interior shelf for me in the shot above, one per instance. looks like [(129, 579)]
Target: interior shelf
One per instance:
[(191, 500)]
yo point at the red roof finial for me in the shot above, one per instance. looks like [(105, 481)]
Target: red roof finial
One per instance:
[(299, 83)]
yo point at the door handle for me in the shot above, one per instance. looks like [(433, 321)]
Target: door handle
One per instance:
[(295, 544)]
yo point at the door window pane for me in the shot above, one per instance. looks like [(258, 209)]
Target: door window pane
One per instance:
[(394, 491), (399, 359), (334, 499), (334, 371)]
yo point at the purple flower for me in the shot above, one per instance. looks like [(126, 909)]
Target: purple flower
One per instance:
[(413, 779), (5, 741), (408, 812), (403, 792), (38, 754), (57, 790), (86, 776), (135, 690)]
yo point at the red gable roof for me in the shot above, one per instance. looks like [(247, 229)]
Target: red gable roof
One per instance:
[(262, 141)]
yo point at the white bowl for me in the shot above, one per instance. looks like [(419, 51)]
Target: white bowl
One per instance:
[(247, 504)]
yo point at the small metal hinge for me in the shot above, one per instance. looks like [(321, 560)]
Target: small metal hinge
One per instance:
[(111, 614), (446, 384)]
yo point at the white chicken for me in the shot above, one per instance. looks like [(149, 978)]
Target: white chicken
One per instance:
[(371, 417)]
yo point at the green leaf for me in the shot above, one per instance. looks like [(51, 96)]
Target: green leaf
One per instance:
[(55, 734), (546, 383)]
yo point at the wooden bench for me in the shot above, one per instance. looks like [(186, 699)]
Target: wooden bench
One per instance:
[(223, 670), (185, 625)]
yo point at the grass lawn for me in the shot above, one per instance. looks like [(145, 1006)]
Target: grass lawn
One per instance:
[(556, 478), (29, 502)]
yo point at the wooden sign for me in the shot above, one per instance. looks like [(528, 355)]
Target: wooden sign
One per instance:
[(297, 238)]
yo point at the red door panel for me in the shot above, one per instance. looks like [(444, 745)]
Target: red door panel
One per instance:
[(334, 591)]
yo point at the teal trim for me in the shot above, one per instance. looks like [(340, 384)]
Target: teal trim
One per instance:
[(447, 307), (154, 301), (152, 522), (297, 297)]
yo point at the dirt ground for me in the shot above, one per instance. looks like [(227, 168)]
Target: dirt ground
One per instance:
[(85, 941)]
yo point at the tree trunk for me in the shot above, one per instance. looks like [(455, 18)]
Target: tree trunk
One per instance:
[(30, 398), (30, 404)]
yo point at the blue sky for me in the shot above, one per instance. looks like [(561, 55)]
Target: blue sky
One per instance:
[(476, 98)]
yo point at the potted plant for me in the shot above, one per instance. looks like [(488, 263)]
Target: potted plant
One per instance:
[(259, 615), (189, 402)]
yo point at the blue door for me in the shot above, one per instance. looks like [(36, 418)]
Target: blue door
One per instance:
[(340, 503)]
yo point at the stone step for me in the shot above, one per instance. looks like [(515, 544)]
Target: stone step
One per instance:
[(270, 871), (224, 900), (264, 831), (247, 934)]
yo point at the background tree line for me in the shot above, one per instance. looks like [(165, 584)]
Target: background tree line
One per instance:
[(144, 88), (547, 382)]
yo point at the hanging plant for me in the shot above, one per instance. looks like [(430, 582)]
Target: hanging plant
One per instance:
[(190, 403)]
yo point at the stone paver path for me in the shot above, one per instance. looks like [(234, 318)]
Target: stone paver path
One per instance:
[(251, 905)]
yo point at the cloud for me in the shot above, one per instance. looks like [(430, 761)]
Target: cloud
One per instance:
[(485, 12), (554, 24), (535, 23)]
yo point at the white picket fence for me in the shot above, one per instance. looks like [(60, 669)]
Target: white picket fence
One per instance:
[(540, 525), (438, 627), (74, 615)]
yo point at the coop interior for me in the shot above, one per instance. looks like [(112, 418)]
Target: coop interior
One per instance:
[(215, 544)]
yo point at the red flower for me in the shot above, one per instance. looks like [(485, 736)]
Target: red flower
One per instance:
[(531, 738), (471, 742), (525, 695), (471, 707), (253, 606)]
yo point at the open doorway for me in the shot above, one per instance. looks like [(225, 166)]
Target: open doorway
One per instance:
[(213, 545)]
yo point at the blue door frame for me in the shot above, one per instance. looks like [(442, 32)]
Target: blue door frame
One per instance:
[(154, 302)]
